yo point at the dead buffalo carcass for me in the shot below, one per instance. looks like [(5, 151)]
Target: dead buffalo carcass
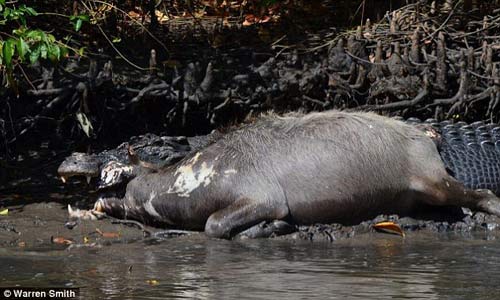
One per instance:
[(316, 168)]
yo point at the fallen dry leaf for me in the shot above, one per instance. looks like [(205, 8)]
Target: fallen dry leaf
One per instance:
[(389, 227), (161, 17), (252, 19), (152, 281), (265, 19), (4, 212), (249, 20), (108, 234), (111, 234), (133, 15), (60, 240)]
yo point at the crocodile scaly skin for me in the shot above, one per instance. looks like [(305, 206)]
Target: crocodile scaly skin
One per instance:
[(470, 152)]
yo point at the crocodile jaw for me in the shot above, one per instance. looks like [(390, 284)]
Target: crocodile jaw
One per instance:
[(64, 179), (79, 164)]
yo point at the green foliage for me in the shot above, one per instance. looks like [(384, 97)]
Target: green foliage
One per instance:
[(20, 13), (35, 44), (25, 45), (77, 21)]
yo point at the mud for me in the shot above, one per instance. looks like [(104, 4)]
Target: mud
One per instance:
[(465, 225), (35, 226), (41, 227)]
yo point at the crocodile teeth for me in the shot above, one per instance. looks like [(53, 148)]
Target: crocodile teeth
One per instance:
[(88, 179), (70, 210), (98, 207), (63, 179)]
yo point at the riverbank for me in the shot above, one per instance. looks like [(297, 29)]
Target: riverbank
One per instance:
[(41, 226)]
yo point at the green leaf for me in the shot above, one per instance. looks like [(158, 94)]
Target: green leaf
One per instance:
[(35, 35), (43, 35), (34, 55), (6, 12), (43, 51), (4, 212), (54, 53), (78, 24), (77, 21), (2, 2), (31, 11), (50, 38), (22, 48), (85, 18), (117, 40), (8, 52), (19, 32), (64, 51)]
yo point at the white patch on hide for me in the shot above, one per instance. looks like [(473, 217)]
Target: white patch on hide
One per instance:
[(148, 206), (113, 170), (188, 180)]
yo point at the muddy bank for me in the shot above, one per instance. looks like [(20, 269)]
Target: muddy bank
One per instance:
[(41, 226), (466, 225)]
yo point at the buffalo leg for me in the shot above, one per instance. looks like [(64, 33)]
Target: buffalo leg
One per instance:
[(240, 215), (266, 229), (451, 192), (111, 206)]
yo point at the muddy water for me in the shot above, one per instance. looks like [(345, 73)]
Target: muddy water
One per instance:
[(374, 266)]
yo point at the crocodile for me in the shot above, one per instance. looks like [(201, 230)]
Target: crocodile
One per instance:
[(470, 152), (142, 154)]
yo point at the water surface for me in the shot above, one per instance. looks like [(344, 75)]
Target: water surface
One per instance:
[(375, 266)]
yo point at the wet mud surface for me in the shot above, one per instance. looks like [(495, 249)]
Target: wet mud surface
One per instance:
[(41, 226)]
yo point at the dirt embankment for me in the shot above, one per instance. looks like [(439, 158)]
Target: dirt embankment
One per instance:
[(42, 226)]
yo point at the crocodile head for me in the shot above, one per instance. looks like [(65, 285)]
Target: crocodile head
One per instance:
[(111, 173), (79, 164), (145, 154)]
